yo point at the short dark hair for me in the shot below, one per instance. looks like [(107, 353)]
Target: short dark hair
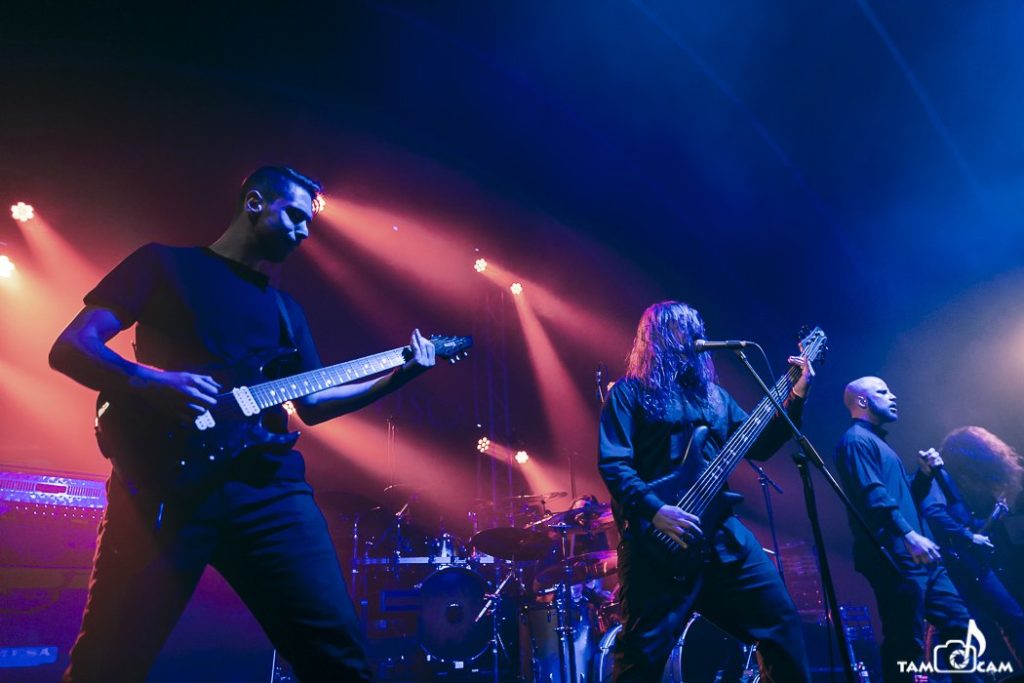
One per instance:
[(273, 181)]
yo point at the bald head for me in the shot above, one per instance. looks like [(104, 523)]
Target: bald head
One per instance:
[(869, 398)]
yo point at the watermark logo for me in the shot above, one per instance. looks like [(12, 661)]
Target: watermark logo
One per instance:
[(959, 657)]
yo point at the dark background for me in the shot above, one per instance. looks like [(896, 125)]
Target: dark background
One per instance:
[(842, 164)]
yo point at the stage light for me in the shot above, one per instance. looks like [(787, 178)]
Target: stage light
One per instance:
[(480, 265), (522, 457), (483, 444), (6, 267), (319, 204), (516, 288), (22, 212)]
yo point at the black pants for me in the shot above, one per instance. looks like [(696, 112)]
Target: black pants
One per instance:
[(744, 597), (905, 600), (988, 599), (270, 542)]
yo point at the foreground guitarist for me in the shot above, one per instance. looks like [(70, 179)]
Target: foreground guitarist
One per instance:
[(669, 391), (259, 527)]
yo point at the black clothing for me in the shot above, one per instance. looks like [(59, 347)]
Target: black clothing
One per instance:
[(270, 542), (905, 601), (970, 567), (740, 590), (636, 448), (873, 477), (195, 307), (260, 528)]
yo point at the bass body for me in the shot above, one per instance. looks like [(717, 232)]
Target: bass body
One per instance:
[(697, 486)]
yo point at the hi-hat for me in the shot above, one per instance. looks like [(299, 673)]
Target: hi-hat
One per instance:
[(535, 497)]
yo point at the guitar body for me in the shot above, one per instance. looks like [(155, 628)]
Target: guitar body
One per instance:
[(685, 563), (173, 459)]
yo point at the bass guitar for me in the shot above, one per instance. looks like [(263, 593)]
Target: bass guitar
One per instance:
[(170, 459), (697, 485)]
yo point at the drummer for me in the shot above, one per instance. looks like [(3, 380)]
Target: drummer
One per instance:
[(588, 532)]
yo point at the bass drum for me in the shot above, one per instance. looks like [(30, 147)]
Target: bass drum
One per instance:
[(450, 600), (704, 654)]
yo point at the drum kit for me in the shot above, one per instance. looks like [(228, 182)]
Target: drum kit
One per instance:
[(534, 588)]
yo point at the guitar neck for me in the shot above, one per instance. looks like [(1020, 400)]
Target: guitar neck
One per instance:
[(713, 478), (278, 391)]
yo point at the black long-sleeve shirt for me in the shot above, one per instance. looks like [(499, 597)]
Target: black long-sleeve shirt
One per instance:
[(873, 476), (948, 515), (636, 448)]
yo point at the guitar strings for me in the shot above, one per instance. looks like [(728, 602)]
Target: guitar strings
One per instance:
[(700, 495), (705, 489), (321, 378)]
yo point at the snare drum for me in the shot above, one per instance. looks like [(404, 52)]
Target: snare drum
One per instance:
[(450, 600), (704, 654)]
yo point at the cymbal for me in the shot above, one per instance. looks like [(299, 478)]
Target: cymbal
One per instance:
[(585, 567), (510, 543), (535, 497), (587, 519)]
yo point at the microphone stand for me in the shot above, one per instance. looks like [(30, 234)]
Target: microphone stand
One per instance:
[(809, 454), (765, 481)]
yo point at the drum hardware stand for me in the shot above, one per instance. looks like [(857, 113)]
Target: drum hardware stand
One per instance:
[(493, 605), (809, 454), (765, 481), (563, 614)]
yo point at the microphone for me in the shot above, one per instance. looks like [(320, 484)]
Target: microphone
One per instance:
[(702, 345), (599, 380)]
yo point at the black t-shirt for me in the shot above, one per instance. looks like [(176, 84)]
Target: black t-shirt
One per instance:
[(195, 308)]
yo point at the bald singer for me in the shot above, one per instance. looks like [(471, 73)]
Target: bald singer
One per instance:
[(874, 478)]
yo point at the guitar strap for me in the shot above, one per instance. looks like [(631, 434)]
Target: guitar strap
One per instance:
[(286, 322)]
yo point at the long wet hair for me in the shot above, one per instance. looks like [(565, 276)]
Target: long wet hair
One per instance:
[(984, 467), (663, 361)]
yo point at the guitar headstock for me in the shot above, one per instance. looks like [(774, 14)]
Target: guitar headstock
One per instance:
[(452, 349), (813, 344)]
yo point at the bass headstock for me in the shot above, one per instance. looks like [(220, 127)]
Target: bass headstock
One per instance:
[(813, 344), (451, 348)]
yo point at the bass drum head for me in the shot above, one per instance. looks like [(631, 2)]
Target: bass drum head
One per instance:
[(709, 655), (450, 599), (704, 654)]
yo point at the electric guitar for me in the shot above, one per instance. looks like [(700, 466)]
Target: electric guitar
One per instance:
[(173, 459), (697, 484)]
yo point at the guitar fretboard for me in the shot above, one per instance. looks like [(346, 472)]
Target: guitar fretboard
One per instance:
[(711, 480), (277, 391)]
